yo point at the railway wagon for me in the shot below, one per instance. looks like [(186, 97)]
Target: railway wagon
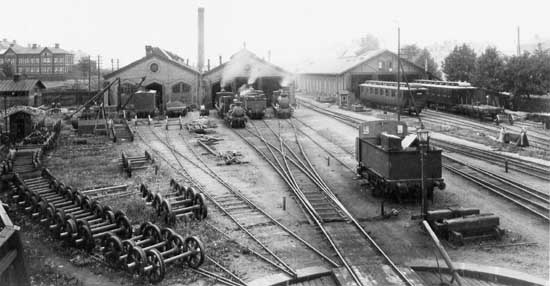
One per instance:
[(462, 98), (254, 102), (143, 103), (390, 160), (281, 103), (230, 109), (383, 94), (176, 108)]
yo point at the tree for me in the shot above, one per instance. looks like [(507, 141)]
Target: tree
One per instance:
[(7, 69), (460, 64), (368, 43), (489, 70), (421, 57), (527, 74)]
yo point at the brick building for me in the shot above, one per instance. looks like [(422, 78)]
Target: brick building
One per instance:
[(46, 63), (165, 72), (343, 75)]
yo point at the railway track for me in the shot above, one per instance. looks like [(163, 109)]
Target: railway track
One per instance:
[(524, 166), (255, 223), (532, 200), (536, 139), (359, 253)]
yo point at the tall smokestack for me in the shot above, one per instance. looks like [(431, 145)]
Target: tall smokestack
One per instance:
[(200, 62)]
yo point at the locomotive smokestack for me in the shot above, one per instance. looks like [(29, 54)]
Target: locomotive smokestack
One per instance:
[(200, 62)]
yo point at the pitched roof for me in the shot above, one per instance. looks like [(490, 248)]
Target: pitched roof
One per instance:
[(245, 53), (159, 53), (35, 50), (20, 85), (339, 65)]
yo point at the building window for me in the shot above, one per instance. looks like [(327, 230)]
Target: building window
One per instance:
[(181, 87), (380, 65), (390, 65), (154, 67)]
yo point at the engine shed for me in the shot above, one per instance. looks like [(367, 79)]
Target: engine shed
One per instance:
[(329, 77), (244, 68)]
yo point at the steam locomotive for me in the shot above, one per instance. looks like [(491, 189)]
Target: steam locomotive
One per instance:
[(281, 103), (230, 109)]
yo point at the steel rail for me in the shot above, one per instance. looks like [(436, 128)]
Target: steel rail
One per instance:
[(186, 175), (289, 270), (226, 270), (216, 277), (331, 194), (511, 196), (321, 226), (250, 203), (471, 178), (519, 165), (545, 197)]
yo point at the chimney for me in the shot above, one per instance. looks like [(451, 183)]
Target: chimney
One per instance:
[(57, 45), (4, 40), (148, 50), (208, 66), (220, 60), (200, 60), (187, 61), (14, 42), (34, 46), (269, 55)]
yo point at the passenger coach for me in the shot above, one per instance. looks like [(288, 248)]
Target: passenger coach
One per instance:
[(384, 94)]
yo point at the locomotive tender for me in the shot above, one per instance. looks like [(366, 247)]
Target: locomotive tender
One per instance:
[(390, 160), (411, 98), (254, 102)]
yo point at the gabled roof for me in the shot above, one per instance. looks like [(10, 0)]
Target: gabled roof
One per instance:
[(339, 65), (20, 85), (160, 54), (20, 50), (244, 53)]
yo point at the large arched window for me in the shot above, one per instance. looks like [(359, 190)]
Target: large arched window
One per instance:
[(181, 87)]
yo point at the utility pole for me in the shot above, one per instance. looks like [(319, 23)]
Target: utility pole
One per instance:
[(519, 49), (112, 65), (117, 64), (98, 71), (89, 73), (398, 68)]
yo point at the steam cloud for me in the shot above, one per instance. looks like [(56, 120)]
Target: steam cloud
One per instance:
[(244, 64)]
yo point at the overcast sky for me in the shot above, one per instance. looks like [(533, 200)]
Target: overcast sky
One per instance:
[(292, 29)]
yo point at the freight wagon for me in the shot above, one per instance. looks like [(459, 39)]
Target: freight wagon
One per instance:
[(389, 159), (142, 103)]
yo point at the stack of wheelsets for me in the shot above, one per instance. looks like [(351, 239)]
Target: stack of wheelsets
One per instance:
[(84, 223), (181, 202)]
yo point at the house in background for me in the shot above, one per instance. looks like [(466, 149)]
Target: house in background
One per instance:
[(19, 91)]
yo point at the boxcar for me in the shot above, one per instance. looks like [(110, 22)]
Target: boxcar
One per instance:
[(383, 94), (394, 170)]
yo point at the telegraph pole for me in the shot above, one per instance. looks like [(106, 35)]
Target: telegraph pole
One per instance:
[(98, 71), (519, 49), (89, 73), (117, 64), (112, 65), (398, 68)]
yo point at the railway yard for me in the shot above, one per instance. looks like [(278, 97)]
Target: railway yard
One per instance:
[(292, 211), (364, 167)]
